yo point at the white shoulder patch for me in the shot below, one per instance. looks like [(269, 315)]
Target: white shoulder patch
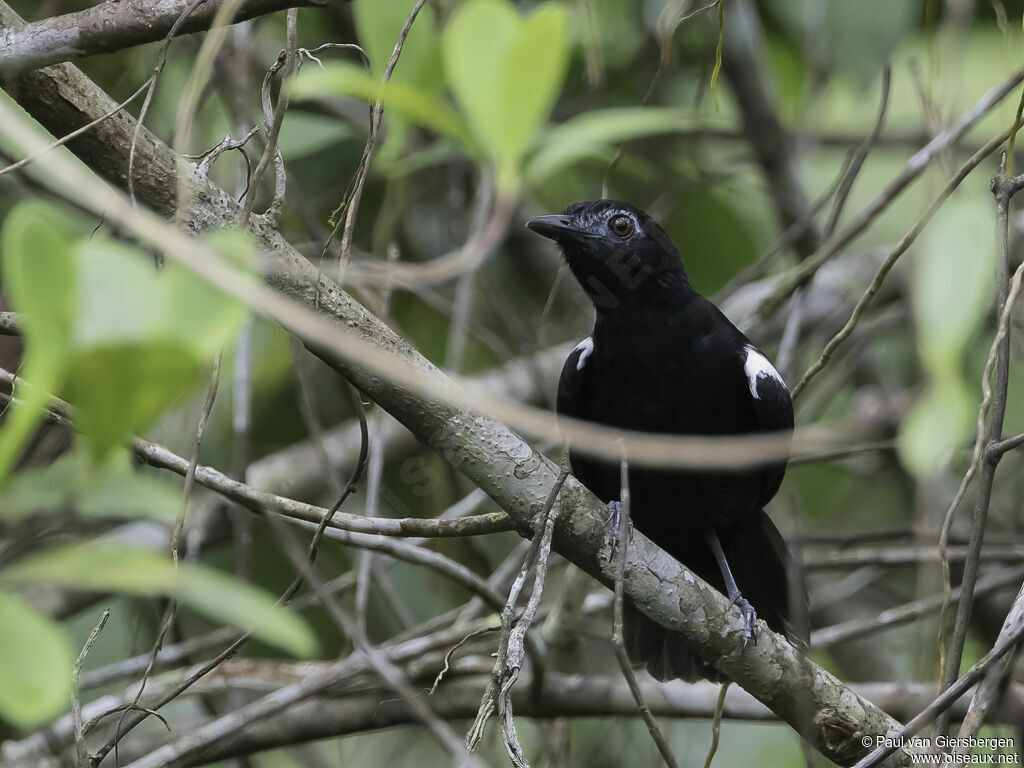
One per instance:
[(585, 348), (757, 366)]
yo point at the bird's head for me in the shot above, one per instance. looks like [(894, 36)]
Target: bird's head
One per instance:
[(620, 255)]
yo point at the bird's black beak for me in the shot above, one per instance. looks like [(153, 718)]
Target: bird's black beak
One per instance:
[(554, 226)]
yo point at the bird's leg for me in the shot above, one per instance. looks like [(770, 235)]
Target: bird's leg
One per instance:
[(614, 525), (735, 598)]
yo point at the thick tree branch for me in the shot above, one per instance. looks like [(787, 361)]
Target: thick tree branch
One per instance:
[(114, 25), (561, 695)]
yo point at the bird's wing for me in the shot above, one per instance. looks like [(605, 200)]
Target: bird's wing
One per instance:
[(571, 384), (773, 409), (769, 395)]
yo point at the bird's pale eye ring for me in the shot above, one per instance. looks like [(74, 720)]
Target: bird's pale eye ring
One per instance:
[(621, 225)]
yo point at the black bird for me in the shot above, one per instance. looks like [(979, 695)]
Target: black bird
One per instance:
[(662, 358)]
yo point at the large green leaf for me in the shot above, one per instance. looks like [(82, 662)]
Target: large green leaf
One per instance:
[(413, 104), (378, 24), (38, 274), (40, 489), (506, 74), (951, 281), (141, 337), (216, 595), (35, 665), (75, 482), (475, 42), (116, 491), (128, 339), (855, 38), (594, 132), (39, 279), (951, 286), (197, 315), (121, 389), (937, 423), (119, 295)]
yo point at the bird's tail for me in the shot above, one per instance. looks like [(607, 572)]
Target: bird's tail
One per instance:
[(766, 575), (661, 651)]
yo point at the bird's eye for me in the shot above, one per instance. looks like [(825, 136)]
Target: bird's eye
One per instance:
[(621, 225)]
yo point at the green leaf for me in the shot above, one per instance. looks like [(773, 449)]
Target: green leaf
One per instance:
[(474, 45), (854, 38), (304, 134), (378, 24), (76, 483), (506, 74), (532, 71), (199, 316), (42, 489), (415, 105), (122, 492), (36, 665), (951, 282), (39, 279), (139, 347), (122, 389), (216, 595), (936, 425), (119, 295), (595, 132), (38, 275)]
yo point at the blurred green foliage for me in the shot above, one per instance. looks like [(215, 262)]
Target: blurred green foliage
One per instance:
[(121, 341)]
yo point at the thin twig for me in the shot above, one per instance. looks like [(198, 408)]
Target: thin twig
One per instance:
[(998, 449), (263, 501), (81, 756), (374, 482), (75, 133), (161, 60), (622, 535), (210, 156), (448, 656), (498, 678), (464, 289), (287, 63), (351, 203), (993, 406), (987, 692), (941, 704), (716, 723), (859, 157), (179, 525), (910, 173), (515, 651), (241, 448), (890, 261), (903, 614)]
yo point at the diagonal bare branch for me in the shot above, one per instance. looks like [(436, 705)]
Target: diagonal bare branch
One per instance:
[(113, 26)]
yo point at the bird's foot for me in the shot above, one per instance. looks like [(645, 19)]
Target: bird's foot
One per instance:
[(614, 526), (749, 618)]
